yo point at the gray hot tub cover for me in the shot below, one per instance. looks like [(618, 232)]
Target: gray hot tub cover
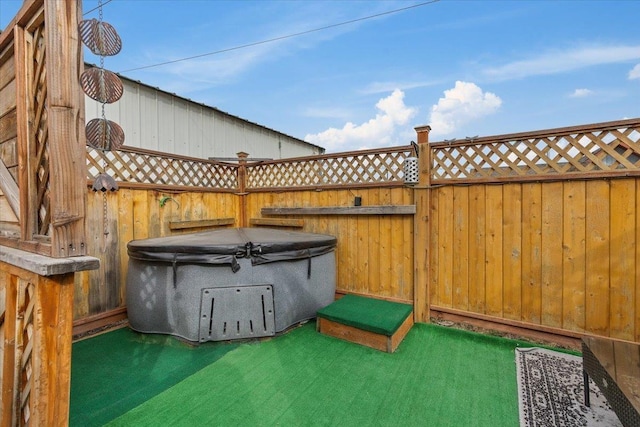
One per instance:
[(261, 245)]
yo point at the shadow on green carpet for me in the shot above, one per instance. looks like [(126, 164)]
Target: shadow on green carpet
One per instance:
[(117, 371), (437, 377)]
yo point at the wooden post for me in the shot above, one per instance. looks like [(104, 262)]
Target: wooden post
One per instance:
[(242, 188), (421, 224), (37, 328), (67, 150)]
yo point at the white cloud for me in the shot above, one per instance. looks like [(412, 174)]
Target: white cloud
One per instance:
[(376, 132), (462, 104), (581, 93), (563, 61), (635, 72)]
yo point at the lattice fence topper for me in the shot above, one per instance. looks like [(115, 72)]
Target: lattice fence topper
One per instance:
[(603, 149), (134, 166), (357, 168)]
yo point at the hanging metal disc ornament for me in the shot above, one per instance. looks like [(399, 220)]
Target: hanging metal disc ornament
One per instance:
[(100, 37), (104, 183), (104, 134), (101, 85)]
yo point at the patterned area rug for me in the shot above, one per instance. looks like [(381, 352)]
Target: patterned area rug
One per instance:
[(551, 392)]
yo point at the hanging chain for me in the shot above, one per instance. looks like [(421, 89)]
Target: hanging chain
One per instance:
[(105, 218)]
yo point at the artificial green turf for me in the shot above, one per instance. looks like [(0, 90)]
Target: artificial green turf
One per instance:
[(437, 377), (369, 314), (115, 372)]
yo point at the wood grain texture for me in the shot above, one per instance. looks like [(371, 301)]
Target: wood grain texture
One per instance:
[(65, 120)]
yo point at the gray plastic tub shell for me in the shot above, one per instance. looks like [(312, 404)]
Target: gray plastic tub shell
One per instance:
[(230, 283)]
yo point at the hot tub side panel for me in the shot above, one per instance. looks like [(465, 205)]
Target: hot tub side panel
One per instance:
[(158, 302)]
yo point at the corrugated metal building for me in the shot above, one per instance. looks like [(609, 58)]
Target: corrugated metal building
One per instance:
[(157, 120)]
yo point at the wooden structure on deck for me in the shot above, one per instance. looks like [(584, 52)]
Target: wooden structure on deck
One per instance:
[(42, 209)]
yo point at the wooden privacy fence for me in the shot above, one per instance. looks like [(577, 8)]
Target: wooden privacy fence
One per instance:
[(159, 196), (539, 230), (536, 230)]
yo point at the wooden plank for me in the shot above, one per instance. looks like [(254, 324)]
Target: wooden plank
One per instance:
[(623, 272), (111, 285), (597, 257), (531, 253), (538, 333), (409, 247), (445, 247), (8, 283), (8, 98), (272, 222), (494, 280), (343, 210), (87, 324), (477, 249), (53, 357), (9, 127), (10, 189), (7, 71), (637, 284), (401, 252), (125, 234), (512, 251), (573, 257), (385, 252), (551, 237), (6, 211), (366, 338), (362, 255), (460, 247), (373, 246), (65, 119), (24, 144)]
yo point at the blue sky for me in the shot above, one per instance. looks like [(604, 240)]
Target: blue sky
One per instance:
[(464, 67)]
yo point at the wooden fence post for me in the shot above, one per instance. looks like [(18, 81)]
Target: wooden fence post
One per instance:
[(242, 188), (421, 224), (36, 331)]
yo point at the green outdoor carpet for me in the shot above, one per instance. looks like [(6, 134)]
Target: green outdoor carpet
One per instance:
[(437, 377), (117, 371), (369, 314)]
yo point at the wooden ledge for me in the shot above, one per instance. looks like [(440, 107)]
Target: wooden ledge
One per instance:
[(201, 223), (273, 222), (344, 210), (44, 265)]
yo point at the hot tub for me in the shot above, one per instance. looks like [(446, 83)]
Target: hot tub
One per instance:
[(229, 284)]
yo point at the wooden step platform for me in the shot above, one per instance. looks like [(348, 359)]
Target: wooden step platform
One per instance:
[(372, 322)]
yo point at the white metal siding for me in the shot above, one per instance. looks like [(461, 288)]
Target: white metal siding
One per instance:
[(160, 121)]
